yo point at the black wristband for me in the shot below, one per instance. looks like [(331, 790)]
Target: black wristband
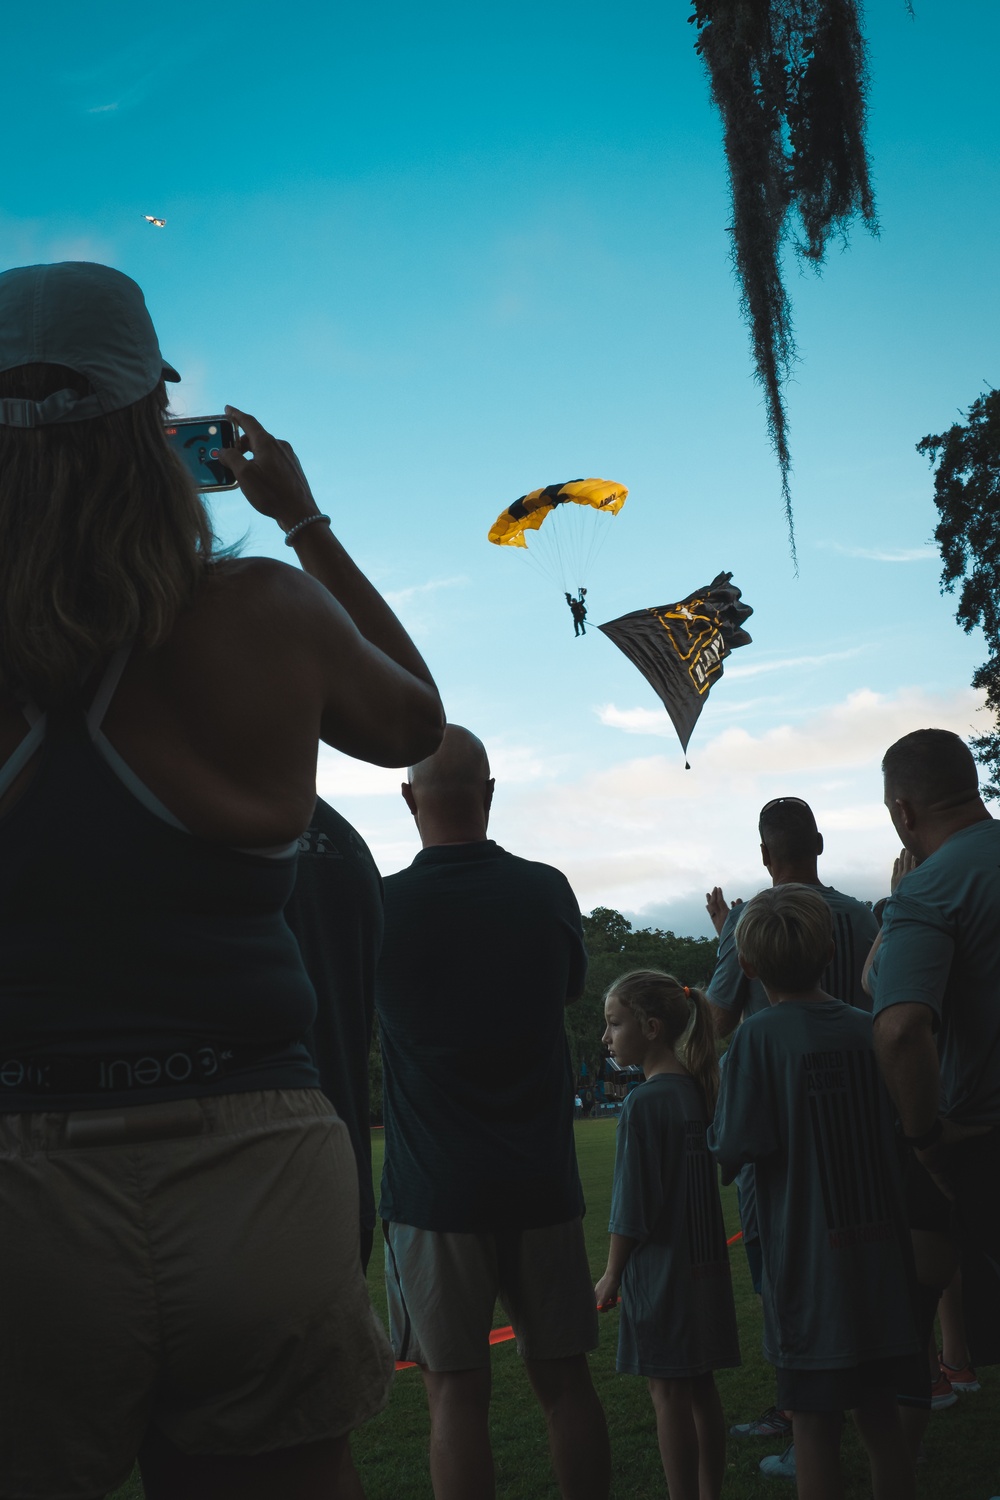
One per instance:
[(929, 1137)]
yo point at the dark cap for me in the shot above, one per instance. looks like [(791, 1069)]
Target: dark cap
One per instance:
[(89, 318)]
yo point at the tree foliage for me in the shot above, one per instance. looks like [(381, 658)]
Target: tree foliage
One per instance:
[(789, 79), (614, 948), (967, 495)]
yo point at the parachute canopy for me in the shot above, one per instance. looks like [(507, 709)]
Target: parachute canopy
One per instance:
[(528, 513), (679, 648)]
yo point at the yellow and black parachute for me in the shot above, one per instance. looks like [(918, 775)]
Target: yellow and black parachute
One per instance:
[(528, 513), (576, 513)]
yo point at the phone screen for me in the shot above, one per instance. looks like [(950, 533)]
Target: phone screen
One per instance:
[(196, 441)]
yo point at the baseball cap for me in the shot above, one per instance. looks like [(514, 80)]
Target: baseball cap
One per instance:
[(89, 318)]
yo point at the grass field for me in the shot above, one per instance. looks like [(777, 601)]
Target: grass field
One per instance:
[(963, 1442)]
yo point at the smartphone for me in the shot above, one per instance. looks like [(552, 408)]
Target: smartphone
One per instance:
[(196, 441)]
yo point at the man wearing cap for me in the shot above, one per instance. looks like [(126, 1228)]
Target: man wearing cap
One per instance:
[(790, 846)]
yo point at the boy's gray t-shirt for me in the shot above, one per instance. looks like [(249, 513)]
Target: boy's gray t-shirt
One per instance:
[(854, 931), (941, 948), (678, 1318), (803, 1100)]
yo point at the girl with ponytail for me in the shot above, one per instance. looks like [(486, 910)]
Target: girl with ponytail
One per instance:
[(668, 1252)]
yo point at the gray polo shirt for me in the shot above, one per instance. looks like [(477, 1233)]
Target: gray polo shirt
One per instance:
[(941, 948), (854, 931)]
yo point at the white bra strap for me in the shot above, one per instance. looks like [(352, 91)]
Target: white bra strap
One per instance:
[(106, 688)]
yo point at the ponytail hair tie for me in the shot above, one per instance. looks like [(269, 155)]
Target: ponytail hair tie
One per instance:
[(687, 992)]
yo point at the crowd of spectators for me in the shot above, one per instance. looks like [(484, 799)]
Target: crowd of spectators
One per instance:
[(193, 952)]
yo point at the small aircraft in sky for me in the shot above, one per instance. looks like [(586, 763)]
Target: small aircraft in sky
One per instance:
[(160, 223)]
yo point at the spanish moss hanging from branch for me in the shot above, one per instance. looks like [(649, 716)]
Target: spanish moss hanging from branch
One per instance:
[(789, 79)]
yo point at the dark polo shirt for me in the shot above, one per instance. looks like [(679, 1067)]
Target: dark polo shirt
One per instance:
[(480, 954)]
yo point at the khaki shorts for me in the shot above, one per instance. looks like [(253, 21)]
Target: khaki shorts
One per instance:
[(191, 1266), (443, 1289)]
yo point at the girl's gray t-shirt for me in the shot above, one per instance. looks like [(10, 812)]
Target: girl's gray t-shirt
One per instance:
[(677, 1319)]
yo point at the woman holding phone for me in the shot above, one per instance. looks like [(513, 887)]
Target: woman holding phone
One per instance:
[(179, 1275)]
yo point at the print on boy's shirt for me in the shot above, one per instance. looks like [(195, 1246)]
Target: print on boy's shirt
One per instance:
[(702, 1204), (843, 1108)]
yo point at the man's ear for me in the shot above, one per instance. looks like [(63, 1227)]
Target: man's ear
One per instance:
[(408, 797), (747, 967), (490, 787), (765, 857), (819, 844), (907, 812)]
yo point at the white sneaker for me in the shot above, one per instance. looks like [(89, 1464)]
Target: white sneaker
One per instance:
[(780, 1465)]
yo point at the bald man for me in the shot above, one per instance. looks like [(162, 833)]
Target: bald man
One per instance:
[(935, 978), (481, 1197)]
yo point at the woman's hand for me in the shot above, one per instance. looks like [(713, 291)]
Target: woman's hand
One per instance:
[(272, 479)]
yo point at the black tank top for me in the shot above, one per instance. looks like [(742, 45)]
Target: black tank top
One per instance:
[(158, 961)]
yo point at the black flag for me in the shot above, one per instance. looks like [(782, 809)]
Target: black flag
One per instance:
[(679, 648)]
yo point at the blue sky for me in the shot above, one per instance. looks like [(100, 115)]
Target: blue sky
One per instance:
[(453, 253)]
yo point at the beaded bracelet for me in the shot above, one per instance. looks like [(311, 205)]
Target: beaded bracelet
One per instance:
[(299, 525)]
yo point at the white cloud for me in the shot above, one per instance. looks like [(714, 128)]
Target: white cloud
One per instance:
[(338, 776), (789, 663), (397, 597), (645, 836), (887, 555), (656, 720)]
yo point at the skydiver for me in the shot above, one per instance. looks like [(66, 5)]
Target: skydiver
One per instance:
[(579, 612)]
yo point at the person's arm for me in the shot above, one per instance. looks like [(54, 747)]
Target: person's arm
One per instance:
[(576, 978), (742, 1128), (728, 987), (908, 1057), (606, 1290), (724, 1020), (380, 701), (867, 980)]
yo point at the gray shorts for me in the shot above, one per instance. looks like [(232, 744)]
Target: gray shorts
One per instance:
[(189, 1266), (443, 1289)]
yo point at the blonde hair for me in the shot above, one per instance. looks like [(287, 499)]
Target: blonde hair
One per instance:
[(102, 537), (785, 935), (652, 995)]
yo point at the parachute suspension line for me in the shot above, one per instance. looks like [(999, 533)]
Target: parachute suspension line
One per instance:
[(555, 542), (597, 540)]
